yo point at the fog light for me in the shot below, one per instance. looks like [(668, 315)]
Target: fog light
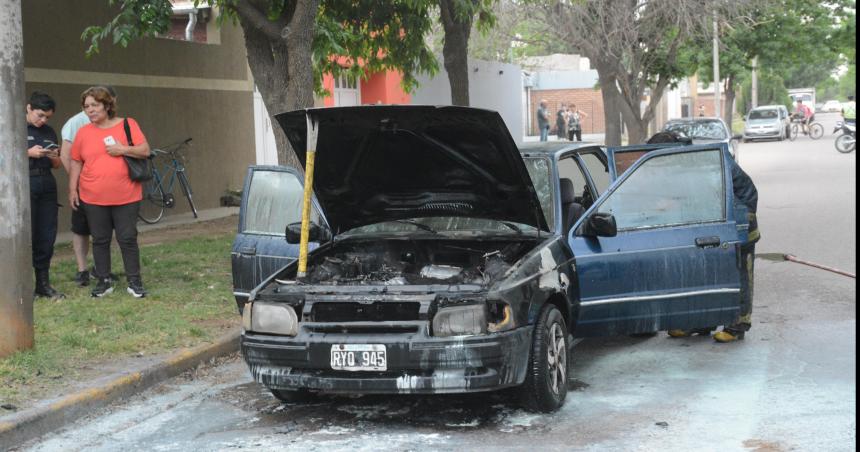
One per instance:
[(272, 318), (461, 320)]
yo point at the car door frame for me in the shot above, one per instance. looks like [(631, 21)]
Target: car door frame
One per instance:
[(659, 310), (240, 249)]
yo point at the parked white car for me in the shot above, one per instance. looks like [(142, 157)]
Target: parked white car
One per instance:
[(832, 106)]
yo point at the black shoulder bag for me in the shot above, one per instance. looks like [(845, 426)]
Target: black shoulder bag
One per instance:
[(139, 170)]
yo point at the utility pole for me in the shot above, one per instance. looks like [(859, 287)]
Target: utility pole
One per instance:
[(16, 269), (754, 89), (717, 108)]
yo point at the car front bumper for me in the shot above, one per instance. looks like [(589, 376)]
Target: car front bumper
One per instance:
[(417, 363), (753, 134)]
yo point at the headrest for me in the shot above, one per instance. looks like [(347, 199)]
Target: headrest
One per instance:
[(567, 195)]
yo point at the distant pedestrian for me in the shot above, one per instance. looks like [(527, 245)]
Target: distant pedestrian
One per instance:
[(701, 110), (80, 227), (43, 154), (543, 120), (574, 122), (99, 184), (561, 122)]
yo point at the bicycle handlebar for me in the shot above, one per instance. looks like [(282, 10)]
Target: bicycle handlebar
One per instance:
[(170, 149)]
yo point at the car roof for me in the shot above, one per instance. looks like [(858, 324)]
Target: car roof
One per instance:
[(695, 119), (555, 147)]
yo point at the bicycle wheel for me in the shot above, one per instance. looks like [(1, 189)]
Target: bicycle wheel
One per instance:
[(186, 188), (152, 205), (794, 131), (845, 143), (816, 131)]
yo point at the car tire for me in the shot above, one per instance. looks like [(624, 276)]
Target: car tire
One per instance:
[(545, 386), (293, 396)]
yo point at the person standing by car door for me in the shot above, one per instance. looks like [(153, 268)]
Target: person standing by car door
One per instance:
[(561, 122), (543, 120), (43, 154), (745, 194), (574, 118)]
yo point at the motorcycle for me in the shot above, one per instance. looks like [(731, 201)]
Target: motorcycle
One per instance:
[(847, 140)]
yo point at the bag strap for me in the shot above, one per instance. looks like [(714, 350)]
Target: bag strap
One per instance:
[(127, 131)]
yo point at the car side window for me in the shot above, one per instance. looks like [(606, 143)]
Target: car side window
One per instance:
[(274, 201), (597, 170), (669, 190)]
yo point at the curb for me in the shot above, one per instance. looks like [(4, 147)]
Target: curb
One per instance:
[(50, 415)]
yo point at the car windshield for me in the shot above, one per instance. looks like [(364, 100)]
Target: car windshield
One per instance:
[(707, 129), (436, 225), (764, 114)]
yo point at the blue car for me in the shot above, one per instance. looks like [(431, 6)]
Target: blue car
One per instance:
[(445, 259)]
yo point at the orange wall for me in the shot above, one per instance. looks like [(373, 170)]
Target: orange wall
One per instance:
[(379, 88)]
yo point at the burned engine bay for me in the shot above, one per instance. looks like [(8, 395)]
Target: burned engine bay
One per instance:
[(413, 262)]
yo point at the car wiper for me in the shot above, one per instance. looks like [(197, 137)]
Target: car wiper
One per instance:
[(417, 225), (512, 225)]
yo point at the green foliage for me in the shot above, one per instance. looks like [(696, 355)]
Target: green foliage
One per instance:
[(136, 19), (771, 91), (380, 35), (802, 41)]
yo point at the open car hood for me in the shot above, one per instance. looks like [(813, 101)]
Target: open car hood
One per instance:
[(382, 163)]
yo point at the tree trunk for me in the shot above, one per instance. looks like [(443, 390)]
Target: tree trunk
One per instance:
[(611, 110), (455, 50), (729, 113), (282, 66)]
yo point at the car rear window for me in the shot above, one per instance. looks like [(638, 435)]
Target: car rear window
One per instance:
[(707, 129)]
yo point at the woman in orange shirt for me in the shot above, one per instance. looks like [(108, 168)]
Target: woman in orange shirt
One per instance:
[(99, 184)]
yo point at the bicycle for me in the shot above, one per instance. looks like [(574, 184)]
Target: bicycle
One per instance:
[(158, 191), (815, 129)]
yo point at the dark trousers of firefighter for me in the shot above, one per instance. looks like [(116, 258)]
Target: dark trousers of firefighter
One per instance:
[(43, 219), (103, 222), (747, 285)]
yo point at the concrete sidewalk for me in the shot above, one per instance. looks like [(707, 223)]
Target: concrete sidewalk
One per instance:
[(167, 221)]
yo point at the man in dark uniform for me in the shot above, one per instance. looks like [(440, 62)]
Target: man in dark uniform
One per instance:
[(43, 153), (746, 194)]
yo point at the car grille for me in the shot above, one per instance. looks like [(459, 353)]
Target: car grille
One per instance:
[(383, 311)]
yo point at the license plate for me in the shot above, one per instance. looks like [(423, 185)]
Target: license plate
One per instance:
[(359, 357)]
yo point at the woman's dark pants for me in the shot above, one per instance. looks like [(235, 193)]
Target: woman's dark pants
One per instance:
[(104, 221), (43, 219)]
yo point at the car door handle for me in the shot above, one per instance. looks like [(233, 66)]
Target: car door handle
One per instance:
[(708, 242), (249, 250)]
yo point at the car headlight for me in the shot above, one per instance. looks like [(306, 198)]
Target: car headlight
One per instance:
[(461, 320), (271, 318)]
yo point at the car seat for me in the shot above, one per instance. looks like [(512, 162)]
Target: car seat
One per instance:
[(570, 209)]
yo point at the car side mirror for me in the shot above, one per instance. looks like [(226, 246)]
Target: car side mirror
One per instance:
[(599, 225), (316, 233)]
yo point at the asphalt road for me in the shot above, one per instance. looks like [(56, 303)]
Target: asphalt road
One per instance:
[(791, 385)]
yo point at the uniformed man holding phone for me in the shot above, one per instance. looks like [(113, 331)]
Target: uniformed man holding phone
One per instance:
[(44, 155)]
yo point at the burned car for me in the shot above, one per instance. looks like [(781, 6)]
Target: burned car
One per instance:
[(444, 259)]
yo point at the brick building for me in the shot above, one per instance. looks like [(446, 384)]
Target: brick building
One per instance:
[(587, 100)]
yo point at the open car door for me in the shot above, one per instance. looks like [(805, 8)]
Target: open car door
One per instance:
[(271, 199), (673, 259)]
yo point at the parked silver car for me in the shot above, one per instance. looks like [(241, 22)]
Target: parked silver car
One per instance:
[(705, 130), (766, 122)]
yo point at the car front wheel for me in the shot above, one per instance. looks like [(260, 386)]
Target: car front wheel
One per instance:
[(545, 387)]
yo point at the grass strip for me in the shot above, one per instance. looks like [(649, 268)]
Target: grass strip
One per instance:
[(190, 302)]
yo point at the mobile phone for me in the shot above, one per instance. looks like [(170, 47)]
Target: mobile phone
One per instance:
[(52, 146), (109, 140)]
